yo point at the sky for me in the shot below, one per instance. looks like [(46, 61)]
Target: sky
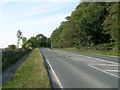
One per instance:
[(31, 18)]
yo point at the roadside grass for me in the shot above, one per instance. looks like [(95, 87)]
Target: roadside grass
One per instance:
[(30, 74), (111, 53)]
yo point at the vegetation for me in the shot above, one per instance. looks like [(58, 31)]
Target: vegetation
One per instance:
[(19, 36), (92, 25), (11, 55), (31, 73), (33, 42), (11, 47)]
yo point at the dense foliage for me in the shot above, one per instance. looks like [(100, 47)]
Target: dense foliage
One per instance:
[(91, 25), (38, 41), (10, 56)]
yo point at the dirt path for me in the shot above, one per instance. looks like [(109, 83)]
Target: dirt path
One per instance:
[(9, 71)]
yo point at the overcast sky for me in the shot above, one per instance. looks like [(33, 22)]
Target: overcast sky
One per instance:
[(31, 18)]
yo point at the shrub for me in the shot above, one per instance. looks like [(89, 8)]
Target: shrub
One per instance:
[(9, 57), (104, 47)]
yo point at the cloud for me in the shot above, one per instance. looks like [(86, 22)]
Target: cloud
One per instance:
[(41, 21), (24, 16), (44, 25), (46, 20), (43, 11), (20, 12)]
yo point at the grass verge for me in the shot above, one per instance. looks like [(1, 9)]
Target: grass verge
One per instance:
[(110, 53), (30, 74)]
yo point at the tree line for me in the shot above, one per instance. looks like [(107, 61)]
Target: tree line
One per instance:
[(33, 42), (13, 53), (91, 24)]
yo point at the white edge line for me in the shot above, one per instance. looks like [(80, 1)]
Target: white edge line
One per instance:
[(54, 73), (104, 71)]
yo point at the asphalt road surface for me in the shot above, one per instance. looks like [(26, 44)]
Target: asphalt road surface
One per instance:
[(82, 70)]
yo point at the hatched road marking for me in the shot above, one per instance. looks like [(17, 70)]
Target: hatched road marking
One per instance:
[(113, 70), (104, 71), (105, 66)]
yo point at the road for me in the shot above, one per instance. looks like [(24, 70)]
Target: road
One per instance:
[(76, 70)]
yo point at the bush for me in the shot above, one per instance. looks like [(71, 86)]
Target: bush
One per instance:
[(9, 57), (104, 47), (100, 47)]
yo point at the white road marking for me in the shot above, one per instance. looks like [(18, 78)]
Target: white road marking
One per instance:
[(54, 73), (59, 53), (112, 70), (96, 58), (91, 57), (108, 63), (100, 59), (75, 60), (105, 64), (79, 55), (104, 71), (71, 58)]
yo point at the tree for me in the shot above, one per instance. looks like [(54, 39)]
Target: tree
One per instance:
[(24, 42), (86, 26), (48, 42), (19, 36), (111, 22), (41, 40), (56, 37), (89, 25), (11, 47), (28, 46), (33, 41)]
